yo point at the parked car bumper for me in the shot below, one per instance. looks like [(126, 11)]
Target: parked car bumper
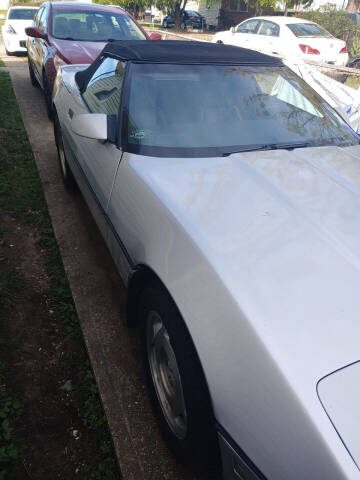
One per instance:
[(14, 43)]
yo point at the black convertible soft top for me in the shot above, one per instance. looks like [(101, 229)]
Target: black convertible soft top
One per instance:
[(174, 51)]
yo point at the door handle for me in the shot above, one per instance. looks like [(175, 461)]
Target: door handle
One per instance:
[(71, 113)]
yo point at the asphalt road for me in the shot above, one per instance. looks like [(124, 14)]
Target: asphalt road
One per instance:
[(99, 297)]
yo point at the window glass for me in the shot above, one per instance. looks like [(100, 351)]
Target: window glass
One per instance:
[(248, 27), (42, 20), (257, 105), (308, 30), (269, 28), (37, 16), (22, 13), (94, 26), (238, 6), (103, 92)]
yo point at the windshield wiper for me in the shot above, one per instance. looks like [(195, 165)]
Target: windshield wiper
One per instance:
[(268, 146)]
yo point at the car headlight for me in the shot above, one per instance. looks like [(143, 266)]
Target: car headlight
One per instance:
[(58, 62), (9, 29)]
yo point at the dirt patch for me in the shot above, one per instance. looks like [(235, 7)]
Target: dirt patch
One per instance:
[(48, 419)]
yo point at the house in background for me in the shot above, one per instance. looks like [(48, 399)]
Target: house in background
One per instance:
[(210, 13), (222, 13)]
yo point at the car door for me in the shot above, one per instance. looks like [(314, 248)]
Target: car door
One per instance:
[(99, 160), (32, 43), (40, 44), (268, 37), (95, 161), (245, 34)]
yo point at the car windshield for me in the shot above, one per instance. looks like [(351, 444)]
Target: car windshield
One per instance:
[(211, 110), (308, 30), (22, 13), (94, 26)]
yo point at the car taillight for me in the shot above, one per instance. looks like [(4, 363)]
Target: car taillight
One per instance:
[(9, 29), (308, 50), (192, 19), (344, 50)]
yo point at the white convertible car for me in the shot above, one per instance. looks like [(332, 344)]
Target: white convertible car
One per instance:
[(228, 193), (290, 37)]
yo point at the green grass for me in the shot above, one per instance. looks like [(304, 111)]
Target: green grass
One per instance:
[(10, 449), (21, 196), (353, 81)]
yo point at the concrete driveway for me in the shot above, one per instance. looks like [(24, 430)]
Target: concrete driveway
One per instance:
[(99, 297)]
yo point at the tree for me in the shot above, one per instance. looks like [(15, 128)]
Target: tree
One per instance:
[(353, 6), (173, 7), (132, 6)]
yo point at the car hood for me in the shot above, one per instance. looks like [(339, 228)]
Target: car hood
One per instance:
[(281, 230), (78, 52)]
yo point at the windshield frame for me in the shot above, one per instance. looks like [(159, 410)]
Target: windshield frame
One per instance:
[(199, 152), (60, 11)]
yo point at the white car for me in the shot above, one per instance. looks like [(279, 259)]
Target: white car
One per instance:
[(288, 37), (13, 30), (234, 222)]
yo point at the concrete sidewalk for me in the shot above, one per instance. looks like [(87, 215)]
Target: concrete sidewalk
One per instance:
[(99, 297)]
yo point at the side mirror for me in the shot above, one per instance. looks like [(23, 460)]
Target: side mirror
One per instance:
[(34, 32), (232, 29), (97, 126), (155, 36)]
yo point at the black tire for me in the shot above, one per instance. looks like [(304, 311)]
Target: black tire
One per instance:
[(199, 447), (48, 97), (219, 41), (33, 79), (66, 173)]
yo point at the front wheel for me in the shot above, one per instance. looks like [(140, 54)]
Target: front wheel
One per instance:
[(66, 174), (33, 79), (176, 380), (48, 97)]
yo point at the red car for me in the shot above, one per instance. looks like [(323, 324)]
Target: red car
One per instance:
[(65, 33)]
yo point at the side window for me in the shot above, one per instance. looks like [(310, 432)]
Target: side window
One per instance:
[(103, 92), (42, 20), (37, 16), (248, 27), (269, 28)]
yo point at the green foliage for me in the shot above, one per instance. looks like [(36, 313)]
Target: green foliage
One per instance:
[(10, 453), (132, 6), (21, 195), (338, 23)]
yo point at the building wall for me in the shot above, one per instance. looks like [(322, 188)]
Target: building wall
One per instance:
[(230, 18), (210, 13)]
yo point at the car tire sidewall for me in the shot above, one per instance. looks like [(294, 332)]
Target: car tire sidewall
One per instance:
[(199, 448), (48, 98), (33, 78), (66, 173)]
